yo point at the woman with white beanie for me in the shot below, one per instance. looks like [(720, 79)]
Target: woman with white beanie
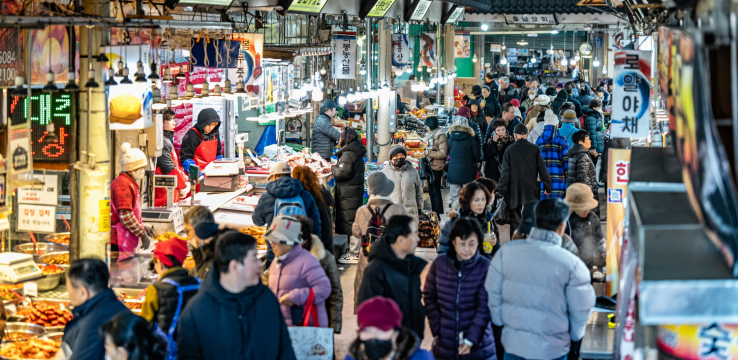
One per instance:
[(126, 227), (554, 150)]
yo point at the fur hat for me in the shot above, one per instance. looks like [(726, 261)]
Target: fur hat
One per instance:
[(580, 198), (544, 100), (551, 118), (379, 184), (132, 158)]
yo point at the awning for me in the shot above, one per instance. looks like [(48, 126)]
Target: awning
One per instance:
[(532, 7), (481, 5)]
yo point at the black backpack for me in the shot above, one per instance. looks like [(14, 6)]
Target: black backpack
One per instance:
[(374, 230)]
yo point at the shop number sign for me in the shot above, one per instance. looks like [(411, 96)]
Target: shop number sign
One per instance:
[(380, 8), (307, 6), (420, 10), (45, 194), (631, 94), (36, 218)]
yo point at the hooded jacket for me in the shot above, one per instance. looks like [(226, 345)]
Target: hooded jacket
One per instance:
[(284, 188), (481, 118), (594, 123), (438, 148), (334, 302), (534, 134), (581, 169), (541, 311), (560, 99), (408, 348), (397, 279), (324, 137), (464, 150), (408, 190), (249, 324), (296, 273), (553, 151), (456, 302), (567, 130), (491, 105), (82, 334), (522, 165), (191, 140), (349, 175)]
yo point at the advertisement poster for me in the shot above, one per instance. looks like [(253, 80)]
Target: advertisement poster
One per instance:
[(344, 56), (462, 45), (428, 49), (50, 49), (400, 52), (249, 68), (618, 174), (698, 342), (10, 59), (631, 97), (130, 106), (664, 56)]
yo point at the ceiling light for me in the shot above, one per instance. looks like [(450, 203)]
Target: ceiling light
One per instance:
[(110, 81), (323, 70), (533, 60), (350, 96), (71, 84), (342, 100), (604, 69), (577, 58), (522, 42), (503, 61), (474, 59), (554, 31), (485, 27), (317, 95), (409, 69), (399, 72), (564, 62), (572, 62), (19, 89), (596, 62)]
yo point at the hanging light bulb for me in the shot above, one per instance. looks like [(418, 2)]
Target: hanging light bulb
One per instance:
[(350, 96), (323, 70), (190, 93), (474, 59), (342, 99), (110, 81), (362, 68), (140, 76), (385, 85), (399, 72), (563, 61), (358, 95), (503, 59), (205, 92), (533, 60), (167, 75), (216, 90), (554, 31), (156, 94), (227, 86), (121, 65), (429, 69), (124, 73), (181, 74), (577, 57), (484, 27), (409, 69), (604, 70), (173, 92), (572, 62), (551, 50), (317, 95), (596, 62), (420, 67)]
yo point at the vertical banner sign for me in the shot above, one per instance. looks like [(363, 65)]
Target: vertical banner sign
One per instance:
[(344, 55), (400, 52), (462, 45), (249, 68), (9, 59), (631, 97), (428, 49), (618, 174)]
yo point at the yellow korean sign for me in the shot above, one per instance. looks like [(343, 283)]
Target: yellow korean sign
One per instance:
[(307, 6), (618, 174)]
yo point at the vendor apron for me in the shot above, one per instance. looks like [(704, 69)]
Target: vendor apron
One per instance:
[(160, 194), (206, 152), (127, 241)]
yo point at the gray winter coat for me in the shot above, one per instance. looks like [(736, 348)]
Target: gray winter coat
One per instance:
[(544, 307), (324, 137), (536, 132), (408, 191)]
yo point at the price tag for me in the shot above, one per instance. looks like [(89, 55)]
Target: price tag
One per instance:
[(4, 224), (43, 194), (30, 288), (178, 220), (37, 218)]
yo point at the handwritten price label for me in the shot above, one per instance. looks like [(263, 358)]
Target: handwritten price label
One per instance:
[(36, 218)]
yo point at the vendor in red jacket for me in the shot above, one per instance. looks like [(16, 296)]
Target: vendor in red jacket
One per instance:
[(201, 144), (168, 164), (126, 227)]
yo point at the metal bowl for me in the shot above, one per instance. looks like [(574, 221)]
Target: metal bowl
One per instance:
[(44, 259), (54, 330), (57, 237), (23, 328), (57, 336), (48, 282), (43, 248)]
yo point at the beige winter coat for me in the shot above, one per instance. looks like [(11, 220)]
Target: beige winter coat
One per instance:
[(363, 215), (437, 149), (408, 191)]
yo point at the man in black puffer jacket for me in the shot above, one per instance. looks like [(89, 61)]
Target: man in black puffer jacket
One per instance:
[(325, 136), (478, 116), (581, 167), (234, 316)]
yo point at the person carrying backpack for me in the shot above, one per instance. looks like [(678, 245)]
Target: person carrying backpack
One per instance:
[(370, 220), (166, 298), (285, 196)]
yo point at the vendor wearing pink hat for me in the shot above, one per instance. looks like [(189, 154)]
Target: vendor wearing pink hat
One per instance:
[(175, 287), (381, 334)]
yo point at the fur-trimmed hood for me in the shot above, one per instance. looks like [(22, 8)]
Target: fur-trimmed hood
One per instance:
[(461, 128), (318, 249)]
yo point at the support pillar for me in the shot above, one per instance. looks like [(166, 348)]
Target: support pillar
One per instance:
[(449, 34), (384, 67), (369, 106), (479, 64), (91, 205)]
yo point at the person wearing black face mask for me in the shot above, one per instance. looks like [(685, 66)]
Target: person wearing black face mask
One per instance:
[(408, 190), (382, 336)]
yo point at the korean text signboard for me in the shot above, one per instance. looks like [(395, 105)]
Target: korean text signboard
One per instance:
[(618, 175), (631, 97), (400, 52), (420, 10), (36, 218), (45, 109), (531, 19), (380, 8), (307, 6), (344, 56), (46, 194), (9, 57)]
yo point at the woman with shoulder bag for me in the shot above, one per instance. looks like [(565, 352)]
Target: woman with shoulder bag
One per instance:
[(437, 153)]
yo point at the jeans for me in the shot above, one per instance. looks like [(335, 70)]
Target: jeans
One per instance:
[(455, 188), (434, 191), (509, 356)]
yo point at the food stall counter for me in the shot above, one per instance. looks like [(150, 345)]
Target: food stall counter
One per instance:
[(599, 339)]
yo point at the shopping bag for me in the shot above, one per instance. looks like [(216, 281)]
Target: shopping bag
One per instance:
[(424, 170), (311, 342), (502, 215)]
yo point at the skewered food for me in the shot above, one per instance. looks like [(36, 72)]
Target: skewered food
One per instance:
[(34, 348)]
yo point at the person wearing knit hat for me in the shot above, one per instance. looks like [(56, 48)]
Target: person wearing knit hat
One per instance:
[(554, 149), (379, 188), (381, 334), (163, 298), (125, 204), (569, 126), (408, 190), (560, 98), (542, 103)]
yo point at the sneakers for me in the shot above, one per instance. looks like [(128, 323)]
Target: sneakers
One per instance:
[(349, 259)]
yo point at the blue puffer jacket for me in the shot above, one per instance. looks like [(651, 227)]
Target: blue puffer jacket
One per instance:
[(595, 124), (283, 188), (456, 302)]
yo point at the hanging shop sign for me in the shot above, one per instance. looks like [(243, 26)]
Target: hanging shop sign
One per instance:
[(452, 15), (45, 108), (618, 176), (50, 50), (9, 58), (303, 6), (427, 49), (344, 56), (462, 45), (37, 218), (546, 19), (47, 194), (631, 98), (130, 106), (418, 10), (249, 69), (400, 52), (375, 8), (495, 47)]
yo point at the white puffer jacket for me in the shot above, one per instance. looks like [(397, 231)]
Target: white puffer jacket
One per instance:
[(541, 294), (408, 190)]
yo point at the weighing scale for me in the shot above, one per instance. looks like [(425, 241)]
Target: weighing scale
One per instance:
[(168, 183), (17, 267), (164, 219), (221, 176)]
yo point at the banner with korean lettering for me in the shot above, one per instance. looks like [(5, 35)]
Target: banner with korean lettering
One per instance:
[(631, 97), (400, 52), (344, 55), (618, 174)]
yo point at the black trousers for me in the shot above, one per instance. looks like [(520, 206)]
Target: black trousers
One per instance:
[(516, 217), (434, 191)]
